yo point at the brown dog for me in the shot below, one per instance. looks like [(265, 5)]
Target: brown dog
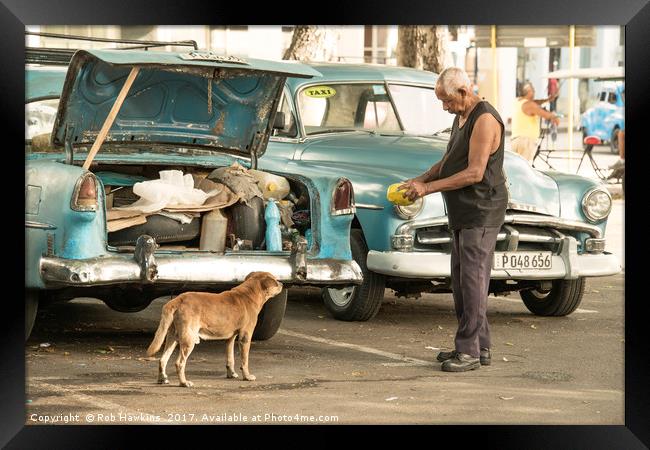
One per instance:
[(195, 315)]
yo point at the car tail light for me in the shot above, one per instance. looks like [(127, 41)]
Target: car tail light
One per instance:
[(84, 196), (343, 198)]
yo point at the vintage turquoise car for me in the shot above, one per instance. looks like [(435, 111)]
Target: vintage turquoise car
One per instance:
[(607, 116), (377, 125), (191, 112)]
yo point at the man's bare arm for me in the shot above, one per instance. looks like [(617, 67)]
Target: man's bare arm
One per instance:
[(541, 101), (485, 137), (533, 109), (432, 174)]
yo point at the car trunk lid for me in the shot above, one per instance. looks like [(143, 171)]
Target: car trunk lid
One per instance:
[(195, 99)]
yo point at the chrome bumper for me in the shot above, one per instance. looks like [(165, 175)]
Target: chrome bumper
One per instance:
[(404, 236), (195, 268), (567, 265)]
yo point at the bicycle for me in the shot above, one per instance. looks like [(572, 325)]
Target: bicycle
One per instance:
[(611, 174)]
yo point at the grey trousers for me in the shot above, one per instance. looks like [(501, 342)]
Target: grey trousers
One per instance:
[(471, 263)]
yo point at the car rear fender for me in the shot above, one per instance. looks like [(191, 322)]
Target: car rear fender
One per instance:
[(330, 231), (52, 226)]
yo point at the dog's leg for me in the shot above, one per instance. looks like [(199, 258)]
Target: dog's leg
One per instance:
[(186, 347), (244, 348), (230, 358), (170, 345)]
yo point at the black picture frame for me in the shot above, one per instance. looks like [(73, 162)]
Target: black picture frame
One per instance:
[(634, 14)]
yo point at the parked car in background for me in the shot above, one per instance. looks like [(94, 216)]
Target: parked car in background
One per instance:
[(607, 116), (187, 114), (378, 125)]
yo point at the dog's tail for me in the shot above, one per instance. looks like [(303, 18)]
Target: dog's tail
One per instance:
[(166, 319)]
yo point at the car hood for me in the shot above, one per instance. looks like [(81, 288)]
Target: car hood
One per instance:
[(193, 98), (408, 156)]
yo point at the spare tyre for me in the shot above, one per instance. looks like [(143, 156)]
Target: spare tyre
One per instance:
[(161, 228)]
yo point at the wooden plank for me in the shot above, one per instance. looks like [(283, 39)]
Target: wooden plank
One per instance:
[(111, 117)]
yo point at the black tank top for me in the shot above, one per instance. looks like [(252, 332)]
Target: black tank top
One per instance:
[(482, 204)]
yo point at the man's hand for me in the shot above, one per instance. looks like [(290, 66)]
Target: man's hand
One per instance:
[(556, 120), (413, 189)]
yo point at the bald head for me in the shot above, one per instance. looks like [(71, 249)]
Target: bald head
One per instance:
[(452, 79)]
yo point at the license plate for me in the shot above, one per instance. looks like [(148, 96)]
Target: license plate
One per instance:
[(522, 260)]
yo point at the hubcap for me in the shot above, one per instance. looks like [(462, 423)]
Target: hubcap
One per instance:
[(341, 297), (540, 295)]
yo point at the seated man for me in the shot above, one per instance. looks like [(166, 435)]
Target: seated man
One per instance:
[(619, 166)]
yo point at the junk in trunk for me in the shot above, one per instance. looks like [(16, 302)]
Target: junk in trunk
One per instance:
[(224, 210)]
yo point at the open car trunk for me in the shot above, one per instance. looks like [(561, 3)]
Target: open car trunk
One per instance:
[(233, 220)]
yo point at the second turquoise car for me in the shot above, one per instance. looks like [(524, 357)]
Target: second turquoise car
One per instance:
[(377, 125)]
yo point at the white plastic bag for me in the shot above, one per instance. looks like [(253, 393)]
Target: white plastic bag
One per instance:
[(172, 189)]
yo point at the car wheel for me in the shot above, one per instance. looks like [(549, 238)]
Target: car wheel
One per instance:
[(613, 141), (270, 317), (31, 308), (362, 302), (562, 299), (585, 147)]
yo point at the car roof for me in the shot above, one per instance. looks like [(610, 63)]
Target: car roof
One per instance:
[(336, 72)]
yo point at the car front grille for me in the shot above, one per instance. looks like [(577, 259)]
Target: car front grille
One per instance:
[(510, 238)]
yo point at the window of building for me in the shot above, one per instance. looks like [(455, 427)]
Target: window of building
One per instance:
[(375, 44)]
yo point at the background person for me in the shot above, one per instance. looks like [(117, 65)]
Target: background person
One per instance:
[(526, 122), (618, 168), (471, 180)]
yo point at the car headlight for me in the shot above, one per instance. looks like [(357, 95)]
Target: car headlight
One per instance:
[(410, 211), (597, 204)]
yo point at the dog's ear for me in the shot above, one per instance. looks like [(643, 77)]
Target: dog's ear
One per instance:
[(269, 282)]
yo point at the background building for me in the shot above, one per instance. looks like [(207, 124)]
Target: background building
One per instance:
[(521, 54)]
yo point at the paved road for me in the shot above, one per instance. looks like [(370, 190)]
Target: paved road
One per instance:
[(567, 370), (545, 370)]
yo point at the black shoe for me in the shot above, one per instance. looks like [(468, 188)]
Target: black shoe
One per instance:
[(486, 357), (444, 356), (462, 362)]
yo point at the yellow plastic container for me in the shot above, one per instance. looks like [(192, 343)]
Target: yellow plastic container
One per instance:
[(396, 196)]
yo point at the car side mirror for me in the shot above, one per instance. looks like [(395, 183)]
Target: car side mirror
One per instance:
[(592, 140), (280, 121)]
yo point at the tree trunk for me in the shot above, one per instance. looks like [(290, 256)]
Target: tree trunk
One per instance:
[(312, 43), (423, 47), (407, 46)]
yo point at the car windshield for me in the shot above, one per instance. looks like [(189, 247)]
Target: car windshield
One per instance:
[(368, 106), (420, 110), (347, 107)]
